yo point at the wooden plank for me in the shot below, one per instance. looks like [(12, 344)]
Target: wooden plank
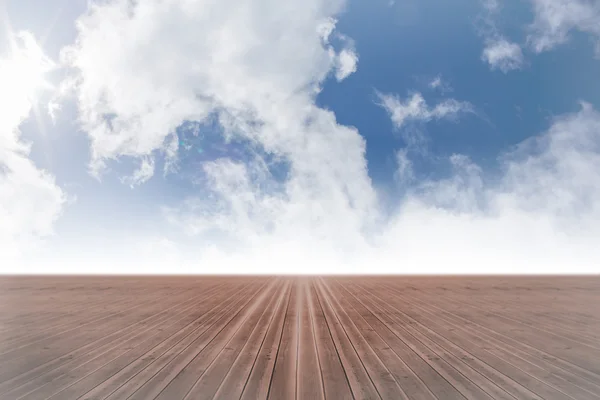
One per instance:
[(515, 350), (175, 380), (335, 379), (435, 380), (40, 376), (283, 380), (387, 386), (211, 377), (238, 376), (309, 376), (87, 376), (259, 382), (510, 366), (88, 351), (258, 337), (124, 382), (358, 378), (166, 362), (407, 379), (448, 368)]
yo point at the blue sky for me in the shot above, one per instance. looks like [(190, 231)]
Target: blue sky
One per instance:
[(315, 136)]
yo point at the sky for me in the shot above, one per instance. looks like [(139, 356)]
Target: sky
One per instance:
[(313, 136)]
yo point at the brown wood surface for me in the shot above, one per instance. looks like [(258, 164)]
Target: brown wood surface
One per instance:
[(335, 337)]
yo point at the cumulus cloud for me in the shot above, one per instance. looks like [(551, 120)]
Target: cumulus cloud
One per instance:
[(347, 59), (499, 52), (416, 109), (30, 200), (346, 64), (503, 55), (143, 69), (555, 19), (186, 60)]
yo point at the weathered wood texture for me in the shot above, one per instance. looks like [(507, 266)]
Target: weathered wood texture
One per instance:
[(300, 337)]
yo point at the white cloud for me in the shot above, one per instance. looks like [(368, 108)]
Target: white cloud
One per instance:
[(404, 174), (144, 172), (346, 64), (30, 201), (540, 217), (440, 84), (347, 59), (498, 52), (436, 82), (183, 60), (555, 19), (503, 55), (143, 69), (416, 109), (326, 28)]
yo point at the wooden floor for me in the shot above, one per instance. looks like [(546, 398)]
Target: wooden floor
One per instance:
[(307, 338)]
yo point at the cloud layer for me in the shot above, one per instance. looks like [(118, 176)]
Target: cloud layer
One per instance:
[(141, 70)]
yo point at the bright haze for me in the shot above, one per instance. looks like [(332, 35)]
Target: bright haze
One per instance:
[(301, 136)]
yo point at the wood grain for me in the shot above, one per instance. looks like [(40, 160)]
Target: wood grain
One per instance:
[(281, 337)]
